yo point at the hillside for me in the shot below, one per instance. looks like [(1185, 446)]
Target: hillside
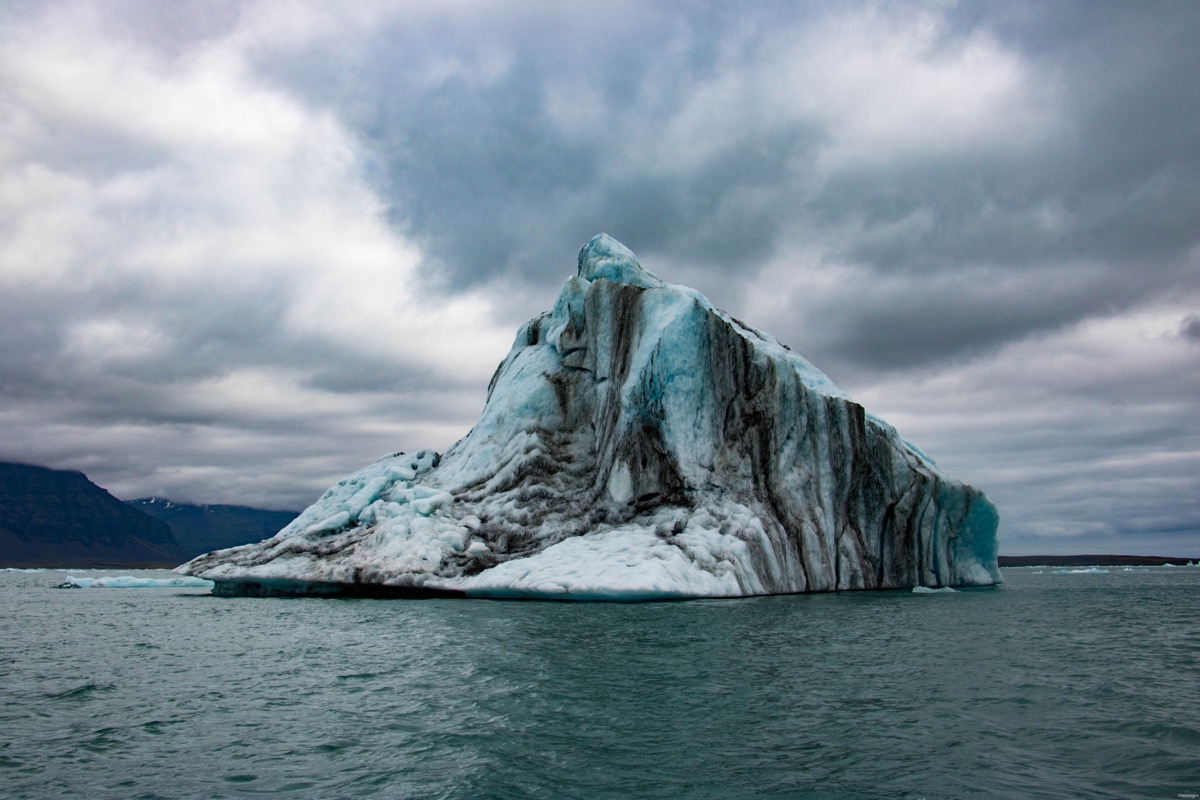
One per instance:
[(202, 528), (59, 518)]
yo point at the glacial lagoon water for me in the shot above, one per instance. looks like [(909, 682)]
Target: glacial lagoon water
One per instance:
[(1055, 685)]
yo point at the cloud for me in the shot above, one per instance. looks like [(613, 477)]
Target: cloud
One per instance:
[(903, 139), (187, 246), (1084, 437), (1189, 328), (246, 246)]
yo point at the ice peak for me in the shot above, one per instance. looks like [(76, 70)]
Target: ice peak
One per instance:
[(605, 257)]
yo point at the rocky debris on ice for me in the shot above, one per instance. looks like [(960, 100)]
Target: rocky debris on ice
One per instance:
[(637, 443)]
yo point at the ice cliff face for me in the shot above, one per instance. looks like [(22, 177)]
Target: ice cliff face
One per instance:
[(638, 443)]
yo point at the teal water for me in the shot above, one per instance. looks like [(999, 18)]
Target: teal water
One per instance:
[(1052, 686)]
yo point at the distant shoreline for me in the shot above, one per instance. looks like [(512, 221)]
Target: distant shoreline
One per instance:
[(1092, 561), (7, 564)]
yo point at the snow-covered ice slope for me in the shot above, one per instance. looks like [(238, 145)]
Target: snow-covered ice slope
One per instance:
[(637, 443)]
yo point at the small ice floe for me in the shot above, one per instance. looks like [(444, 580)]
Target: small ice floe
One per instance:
[(928, 590), (1085, 571), (131, 582)]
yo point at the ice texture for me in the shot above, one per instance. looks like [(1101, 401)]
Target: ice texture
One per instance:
[(638, 443)]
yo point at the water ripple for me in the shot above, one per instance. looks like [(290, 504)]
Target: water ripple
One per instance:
[(1053, 686)]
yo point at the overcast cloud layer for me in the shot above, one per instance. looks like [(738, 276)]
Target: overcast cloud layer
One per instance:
[(248, 247)]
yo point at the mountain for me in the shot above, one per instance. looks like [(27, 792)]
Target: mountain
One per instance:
[(201, 528), (637, 443), (58, 518)]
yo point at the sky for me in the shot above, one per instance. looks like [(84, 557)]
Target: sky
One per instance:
[(246, 248)]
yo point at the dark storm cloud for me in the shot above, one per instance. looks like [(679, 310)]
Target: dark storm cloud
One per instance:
[(1190, 327), (494, 186), (478, 160), (247, 246)]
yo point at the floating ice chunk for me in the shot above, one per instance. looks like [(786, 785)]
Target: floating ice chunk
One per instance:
[(638, 443), (132, 582), (1086, 571), (928, 590)]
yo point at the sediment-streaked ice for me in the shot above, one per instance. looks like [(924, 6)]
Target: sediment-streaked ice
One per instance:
[(638, 443)]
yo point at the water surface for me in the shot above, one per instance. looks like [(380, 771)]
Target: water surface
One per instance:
[(1054, 685)]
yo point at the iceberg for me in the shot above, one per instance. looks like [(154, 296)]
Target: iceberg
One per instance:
[(636, 444)]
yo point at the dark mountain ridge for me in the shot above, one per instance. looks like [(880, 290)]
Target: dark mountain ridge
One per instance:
[(59, 518), (202, 528)]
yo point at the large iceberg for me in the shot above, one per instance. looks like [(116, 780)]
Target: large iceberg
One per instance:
[(637, 443)]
